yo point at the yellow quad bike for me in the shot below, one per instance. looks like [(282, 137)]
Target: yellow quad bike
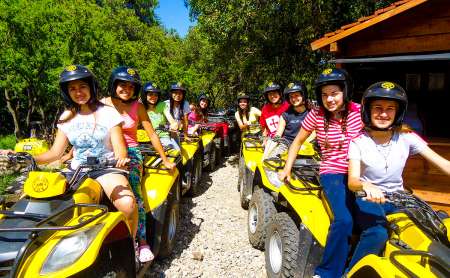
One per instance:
[(418, 244), (161, 190), (32, 145), (211, 151), (250, 155), (190, 168), (264, 193), (62, 227)]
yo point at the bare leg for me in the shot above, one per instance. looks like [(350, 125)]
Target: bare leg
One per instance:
[(118, 190)]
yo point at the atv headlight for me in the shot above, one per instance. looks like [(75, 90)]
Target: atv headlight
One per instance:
[(69, 249), (272, 176)]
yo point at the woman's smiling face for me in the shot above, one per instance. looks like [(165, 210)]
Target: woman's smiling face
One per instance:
[(79, 91), (332, 98), (382, 113)]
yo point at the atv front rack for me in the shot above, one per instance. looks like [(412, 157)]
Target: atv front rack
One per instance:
[(304, 169), (443, 265), (47, 218)]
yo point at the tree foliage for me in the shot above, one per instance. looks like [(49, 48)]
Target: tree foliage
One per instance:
[(254, 41), (236, 46)]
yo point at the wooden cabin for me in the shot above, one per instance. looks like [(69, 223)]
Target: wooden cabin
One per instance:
[(407, 42)]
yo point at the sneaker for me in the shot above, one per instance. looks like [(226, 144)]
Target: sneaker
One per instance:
[(145, 254)]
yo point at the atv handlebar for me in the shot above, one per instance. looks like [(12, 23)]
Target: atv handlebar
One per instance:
[(21, 157), (418, 211)]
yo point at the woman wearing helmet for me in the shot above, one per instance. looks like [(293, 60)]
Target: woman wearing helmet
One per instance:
[(94, 130), (158, 112), (246, 116), (179, 107), (199, 114), (124, 88), (292, 118), (272, 110), (377, 159), (336, 121)]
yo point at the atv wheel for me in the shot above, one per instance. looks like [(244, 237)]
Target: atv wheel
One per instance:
[(212, 158), (114, 260), (282, 247), (197, 175), (260, 211), (241, 185), (218, 155), (171, 220)]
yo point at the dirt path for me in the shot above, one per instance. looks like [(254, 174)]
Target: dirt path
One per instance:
[(212, 239)]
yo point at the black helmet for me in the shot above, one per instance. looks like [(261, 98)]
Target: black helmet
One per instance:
[(150, 87), (334, 77), (177, 87), (124, 74), (388, 91), (202, 96), (243, 96), (271, 87), (77, 72), (296, 86)]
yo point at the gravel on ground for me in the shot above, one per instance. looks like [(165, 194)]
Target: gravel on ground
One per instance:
[(212, 237)]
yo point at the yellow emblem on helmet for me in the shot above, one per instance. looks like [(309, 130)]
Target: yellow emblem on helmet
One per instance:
[(71, 68), (388, 85), (290, 85), (131, 71), (40, 184), (327, 71), (179, 84), (270, 84)]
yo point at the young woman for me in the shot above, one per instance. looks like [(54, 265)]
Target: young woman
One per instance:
[(159, 114), (94, 130), (124, 88), (199, 114), (336, 122), (246, 115), (272, 110), (179, 107), (292, 118), (377, 158)]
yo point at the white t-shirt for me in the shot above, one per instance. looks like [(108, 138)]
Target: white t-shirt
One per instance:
[(374, 158), (90, 135), (176, 110)]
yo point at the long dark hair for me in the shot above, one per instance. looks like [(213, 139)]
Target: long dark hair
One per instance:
[(172, 102), (327, 119), (245, 112)]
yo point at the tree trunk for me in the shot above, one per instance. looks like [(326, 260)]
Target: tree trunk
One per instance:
[(13, 111)]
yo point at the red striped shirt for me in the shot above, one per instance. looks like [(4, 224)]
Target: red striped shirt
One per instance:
[(334, 156)]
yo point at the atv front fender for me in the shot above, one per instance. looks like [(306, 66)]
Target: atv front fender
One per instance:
[(113, 228), (374, 266)]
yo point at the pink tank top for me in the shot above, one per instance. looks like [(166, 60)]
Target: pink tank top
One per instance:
[(129, 127)]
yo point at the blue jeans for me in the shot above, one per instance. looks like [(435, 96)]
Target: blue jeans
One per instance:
[(341, 202), (370, 218)]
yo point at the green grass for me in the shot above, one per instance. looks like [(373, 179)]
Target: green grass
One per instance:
[(7, 142), (5, 181)]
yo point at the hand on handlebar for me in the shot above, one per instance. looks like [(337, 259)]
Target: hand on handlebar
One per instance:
[(169, 165), (122, 162), (284, 175), (373, 193), (173, 126)]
